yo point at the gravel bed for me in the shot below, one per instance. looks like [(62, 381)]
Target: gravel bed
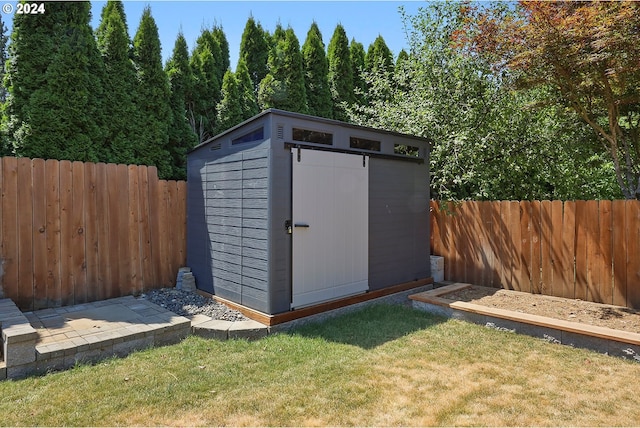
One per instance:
[(186, 304)]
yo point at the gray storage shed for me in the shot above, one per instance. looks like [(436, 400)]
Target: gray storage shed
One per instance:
[(287, 210)]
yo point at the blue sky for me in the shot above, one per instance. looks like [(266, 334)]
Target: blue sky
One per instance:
[(362, 20)]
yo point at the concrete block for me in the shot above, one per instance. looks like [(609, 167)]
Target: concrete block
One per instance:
[(19, 353), (21, 371), (437, 268), (624, 350), (3, 373), (213, 329), (128, 346), (247, 330), (584, 341)]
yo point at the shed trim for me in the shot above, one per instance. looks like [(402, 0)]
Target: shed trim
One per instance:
[(289, 146)]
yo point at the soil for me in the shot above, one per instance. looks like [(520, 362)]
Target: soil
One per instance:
[(615, 317)]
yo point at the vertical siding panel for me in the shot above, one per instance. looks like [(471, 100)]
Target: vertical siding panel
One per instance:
[(568, 250), (78, 249), (536, 250), (145, 229), (181, 215), (91, 233), (581, 284), (10, 226), (633, 253), (136, 276), (495, 242), (39, 234), (516, 245), (154, 207), (54, 273), (605, 285), (113, 287), (619, 221), (546, 249), (24, 299), (103, 290), (66, 233), (122, 234), (594, 254), (505, 250), (556, 249)]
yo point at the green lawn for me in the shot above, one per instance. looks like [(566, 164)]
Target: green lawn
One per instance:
[(384, 365)]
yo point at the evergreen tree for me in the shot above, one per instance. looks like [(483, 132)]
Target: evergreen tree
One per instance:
[(284, 86), (181, 136), (316, 71), (379, 57), (206, 63), (254, 51), (122, 128), (340, 73), (230, 108), (356, 51), (402, 57), (55, 85), (248, 100), (152, 97), (221, 38)]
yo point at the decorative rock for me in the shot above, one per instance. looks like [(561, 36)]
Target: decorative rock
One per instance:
[(188, 282)]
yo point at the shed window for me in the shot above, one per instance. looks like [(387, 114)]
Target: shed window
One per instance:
[(308, 136), (364, 144), (402, 149), (255, 135)]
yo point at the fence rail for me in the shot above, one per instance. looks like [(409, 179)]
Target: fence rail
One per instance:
[(587, 250), (73, 232)]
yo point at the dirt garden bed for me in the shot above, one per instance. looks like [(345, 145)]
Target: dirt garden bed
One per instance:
[(579, 311)]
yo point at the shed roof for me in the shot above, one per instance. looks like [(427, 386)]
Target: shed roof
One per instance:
[(308, 117)]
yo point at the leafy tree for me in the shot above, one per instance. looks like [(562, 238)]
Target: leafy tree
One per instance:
[(357, 54), (316, 71), (586, 51), (486, 141), (55, 85), (379, 56), (248, 100), (119, 86), (254, 51), (153, 96), (181, 136), (284, 86), (230, 108), (340, 73)]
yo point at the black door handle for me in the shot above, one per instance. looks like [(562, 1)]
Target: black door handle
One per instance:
[(301, 225)]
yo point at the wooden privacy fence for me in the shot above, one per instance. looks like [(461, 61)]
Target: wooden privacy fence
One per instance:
[(587, 250), (73, 232)]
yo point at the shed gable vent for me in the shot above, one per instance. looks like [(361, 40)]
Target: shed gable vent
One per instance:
[(216, 146), (280, 132)]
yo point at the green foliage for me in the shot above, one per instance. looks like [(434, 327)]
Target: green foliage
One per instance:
[(284, 85), (402, 56), (122, 128), (357, 54), (221, 38), (206, 64), (55, 86), (316, 70), (487, 143), (340, 73), (153, 96), (248, 100), (254, 51), (379, 57), (230, 108), (181, 136)]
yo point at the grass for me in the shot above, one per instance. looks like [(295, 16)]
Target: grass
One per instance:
[(384, 365)]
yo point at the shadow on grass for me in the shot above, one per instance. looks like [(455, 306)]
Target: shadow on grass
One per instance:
[(371, 326)]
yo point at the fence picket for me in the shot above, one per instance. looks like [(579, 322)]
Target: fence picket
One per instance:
[(606, 252), (546, 248), (39, 234), (619, 220), (25, 234), (633, 253)]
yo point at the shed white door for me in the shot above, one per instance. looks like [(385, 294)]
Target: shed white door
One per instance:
[(330, 226)]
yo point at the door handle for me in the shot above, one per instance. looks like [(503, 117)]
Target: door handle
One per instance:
[(300, 225)]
